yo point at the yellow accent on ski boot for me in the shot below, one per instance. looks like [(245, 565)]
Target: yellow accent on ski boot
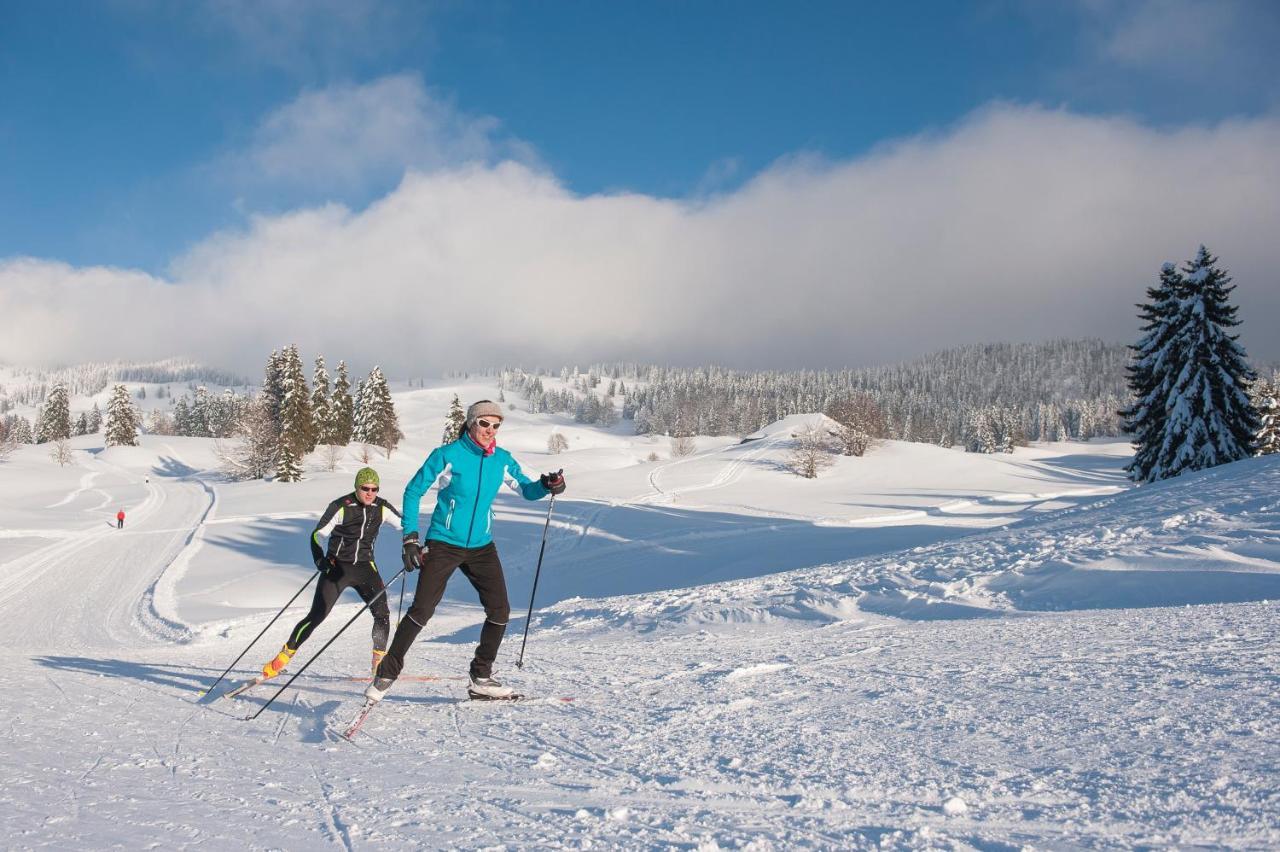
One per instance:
[(377, 658), (278, 662)]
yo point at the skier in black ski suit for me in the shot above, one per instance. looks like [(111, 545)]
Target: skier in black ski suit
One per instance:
[(352, 523)]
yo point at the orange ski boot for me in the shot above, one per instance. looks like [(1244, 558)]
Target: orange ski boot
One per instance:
[(278, 662)]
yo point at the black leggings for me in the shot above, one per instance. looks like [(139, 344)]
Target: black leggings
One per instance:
[(363, 577), (484, 570)]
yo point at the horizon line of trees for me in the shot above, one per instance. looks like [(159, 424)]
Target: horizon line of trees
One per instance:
[(257, 434), (980, 396), (32, 386)]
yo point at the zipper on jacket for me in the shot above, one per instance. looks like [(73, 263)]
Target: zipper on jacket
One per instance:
[(479, 484), (448, 519), (364, 518)]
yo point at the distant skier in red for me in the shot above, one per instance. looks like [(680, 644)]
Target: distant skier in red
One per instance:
[(120, 519)]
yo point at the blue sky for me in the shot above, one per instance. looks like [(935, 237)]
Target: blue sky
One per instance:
[(136, 132)]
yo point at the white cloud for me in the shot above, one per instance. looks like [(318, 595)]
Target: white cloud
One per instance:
[(1019, 224), (343, 139)]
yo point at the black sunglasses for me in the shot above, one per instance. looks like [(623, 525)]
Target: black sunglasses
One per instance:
[(372, 489), (485, 424)]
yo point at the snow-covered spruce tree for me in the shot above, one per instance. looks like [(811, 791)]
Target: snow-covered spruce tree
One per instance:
[(376, 421), (95, 419), (122, 419), (1266, 399), (273, 384), (1208, 417), (224, 413), (82, 423), (182, 416), (295, 419), (321, 413), (54, 422), (454, 422), (1153, 370), (342, 408), (8, 444), (200, 415), (20, 430)]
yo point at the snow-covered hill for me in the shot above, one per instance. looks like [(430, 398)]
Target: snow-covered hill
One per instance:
[(921, 649)]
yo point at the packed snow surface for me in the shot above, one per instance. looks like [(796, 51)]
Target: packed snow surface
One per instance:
[(921, 648)]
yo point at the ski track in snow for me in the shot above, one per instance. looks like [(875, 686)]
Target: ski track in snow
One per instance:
[(782, 711)]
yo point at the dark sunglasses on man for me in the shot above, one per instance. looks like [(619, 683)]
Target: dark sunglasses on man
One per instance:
[(372, 489)]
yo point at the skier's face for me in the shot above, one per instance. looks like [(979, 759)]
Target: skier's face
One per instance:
[(367, 493), (485, 429)]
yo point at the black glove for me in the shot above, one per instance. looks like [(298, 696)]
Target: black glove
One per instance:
[(553, 482), (412, 553), (327, 566)]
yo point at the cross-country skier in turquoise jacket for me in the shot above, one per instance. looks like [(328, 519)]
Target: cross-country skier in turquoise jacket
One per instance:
[(470, 470)]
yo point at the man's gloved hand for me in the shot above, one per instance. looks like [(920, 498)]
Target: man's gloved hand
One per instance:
[(412, 553), (327, 566), (553, 482)]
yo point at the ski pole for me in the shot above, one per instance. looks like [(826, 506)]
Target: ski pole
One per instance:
[(400, 606), (263, 633), (322, 650), (536, 573)]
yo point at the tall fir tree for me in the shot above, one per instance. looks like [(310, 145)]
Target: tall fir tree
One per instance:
[(54, 422), (295, 418), (182, 417), (376, 421), (342, 409), (122, 419), (359, 431), (200, 414), (1266, 399), (1209, 419), (95, 419), (273, 385), (21, 432), (321, 413), (224, 414), (1152, 371), (454, 421)]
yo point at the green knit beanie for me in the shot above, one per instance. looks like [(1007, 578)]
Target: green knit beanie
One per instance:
[(367, 476)]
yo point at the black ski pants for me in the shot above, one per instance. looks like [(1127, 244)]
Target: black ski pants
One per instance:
[(483, 568), (361, 576)]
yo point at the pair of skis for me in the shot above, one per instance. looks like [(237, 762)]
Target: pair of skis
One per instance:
[(363, 714), (354, 727)]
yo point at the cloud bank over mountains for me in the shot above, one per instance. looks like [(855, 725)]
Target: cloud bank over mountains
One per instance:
[(1019, 223)]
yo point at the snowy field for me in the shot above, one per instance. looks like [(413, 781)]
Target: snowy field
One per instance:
[(920, 649)]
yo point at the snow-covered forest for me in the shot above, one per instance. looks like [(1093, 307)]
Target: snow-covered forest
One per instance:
[(985, 398), (1060, 390)]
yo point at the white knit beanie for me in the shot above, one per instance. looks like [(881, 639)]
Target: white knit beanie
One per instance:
[(483, 408)]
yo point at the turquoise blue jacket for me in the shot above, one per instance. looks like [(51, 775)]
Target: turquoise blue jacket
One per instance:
[(470, 480)]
